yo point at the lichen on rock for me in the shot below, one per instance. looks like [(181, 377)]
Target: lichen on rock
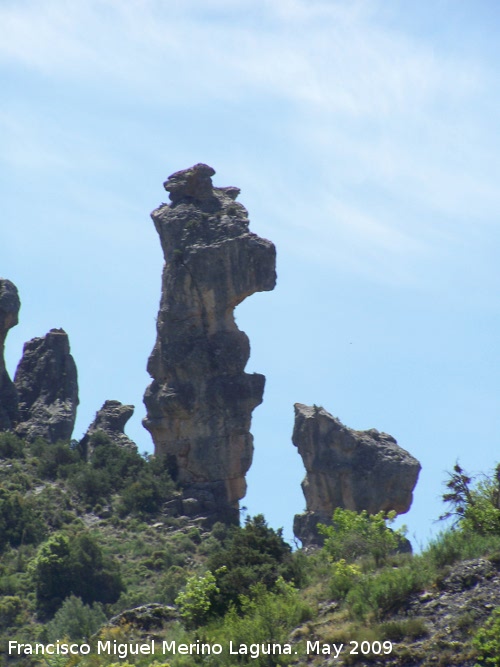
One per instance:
[(200, 402)]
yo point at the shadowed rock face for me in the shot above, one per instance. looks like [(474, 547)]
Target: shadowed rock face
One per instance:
[(110, 419), (355, 470), (9, 312), (47, 386), (200, 402)]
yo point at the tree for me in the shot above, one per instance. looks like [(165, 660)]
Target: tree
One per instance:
[(75, 620), (253, 554), (356, 534), (19, 522), (77, 566), (195, 602), (476, 507)]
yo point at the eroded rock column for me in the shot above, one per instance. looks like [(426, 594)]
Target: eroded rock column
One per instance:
[(355, 470), (47, 386), (200, 402), (111, 420)]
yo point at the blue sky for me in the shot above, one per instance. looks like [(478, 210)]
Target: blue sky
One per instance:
[(364, 137)]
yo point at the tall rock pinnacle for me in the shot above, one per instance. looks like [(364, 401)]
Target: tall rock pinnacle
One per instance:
[(47, 386), (9, 311), (200, 402)]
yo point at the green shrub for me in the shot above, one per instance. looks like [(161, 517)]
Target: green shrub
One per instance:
[(264, 617), (92, 485), (249, 555), (454, 545), (195, 602), (19, 523), (75, 620), (476, 508), (75, 564), (54, 460), (355, 534), (11, 609), (171, 583), (487, 641), (11, 447), (343, 577), (385, 591), (395, 631)]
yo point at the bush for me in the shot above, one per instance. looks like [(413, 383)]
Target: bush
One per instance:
[(355, 534), (264, 617), (19, 523), (54, 460), (76, 565), (195, 602), (11, 608), (385, 591), (11, 447), (487, 641), (454, 545), (75, 620), (344, 575), (253, 554)]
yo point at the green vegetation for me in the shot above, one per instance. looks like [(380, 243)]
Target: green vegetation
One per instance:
[(355, 534), (487, 642), (83, 540)]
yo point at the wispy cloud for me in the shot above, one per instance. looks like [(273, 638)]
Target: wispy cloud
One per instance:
[(370, 106)]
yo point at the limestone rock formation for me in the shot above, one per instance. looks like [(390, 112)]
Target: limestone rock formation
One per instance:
[(355, 470), (9, 311), (111, 420), (47, 386), (200, 402)]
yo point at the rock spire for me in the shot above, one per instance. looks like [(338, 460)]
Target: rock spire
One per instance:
[(111, 420), (200, 402), (47, 386), (355, 470)]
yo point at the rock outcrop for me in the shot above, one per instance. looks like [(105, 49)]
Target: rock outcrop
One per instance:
[(47, 387), (111, 420), (355, 470), (200, 402), (9, 312)]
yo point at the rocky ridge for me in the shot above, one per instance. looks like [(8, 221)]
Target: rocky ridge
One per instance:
[(200, 402), (355, 470)]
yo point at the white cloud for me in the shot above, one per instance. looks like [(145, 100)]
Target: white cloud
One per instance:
[(368, 105)]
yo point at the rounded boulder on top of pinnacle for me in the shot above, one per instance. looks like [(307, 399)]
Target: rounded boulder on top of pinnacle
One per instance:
[(195, 183)]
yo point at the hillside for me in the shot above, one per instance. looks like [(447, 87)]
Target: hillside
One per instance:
[(90, 554)]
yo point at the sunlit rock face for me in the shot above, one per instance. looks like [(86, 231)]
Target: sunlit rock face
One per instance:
[(9, 317), (200, 402), (354, 470), (47, 386)]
